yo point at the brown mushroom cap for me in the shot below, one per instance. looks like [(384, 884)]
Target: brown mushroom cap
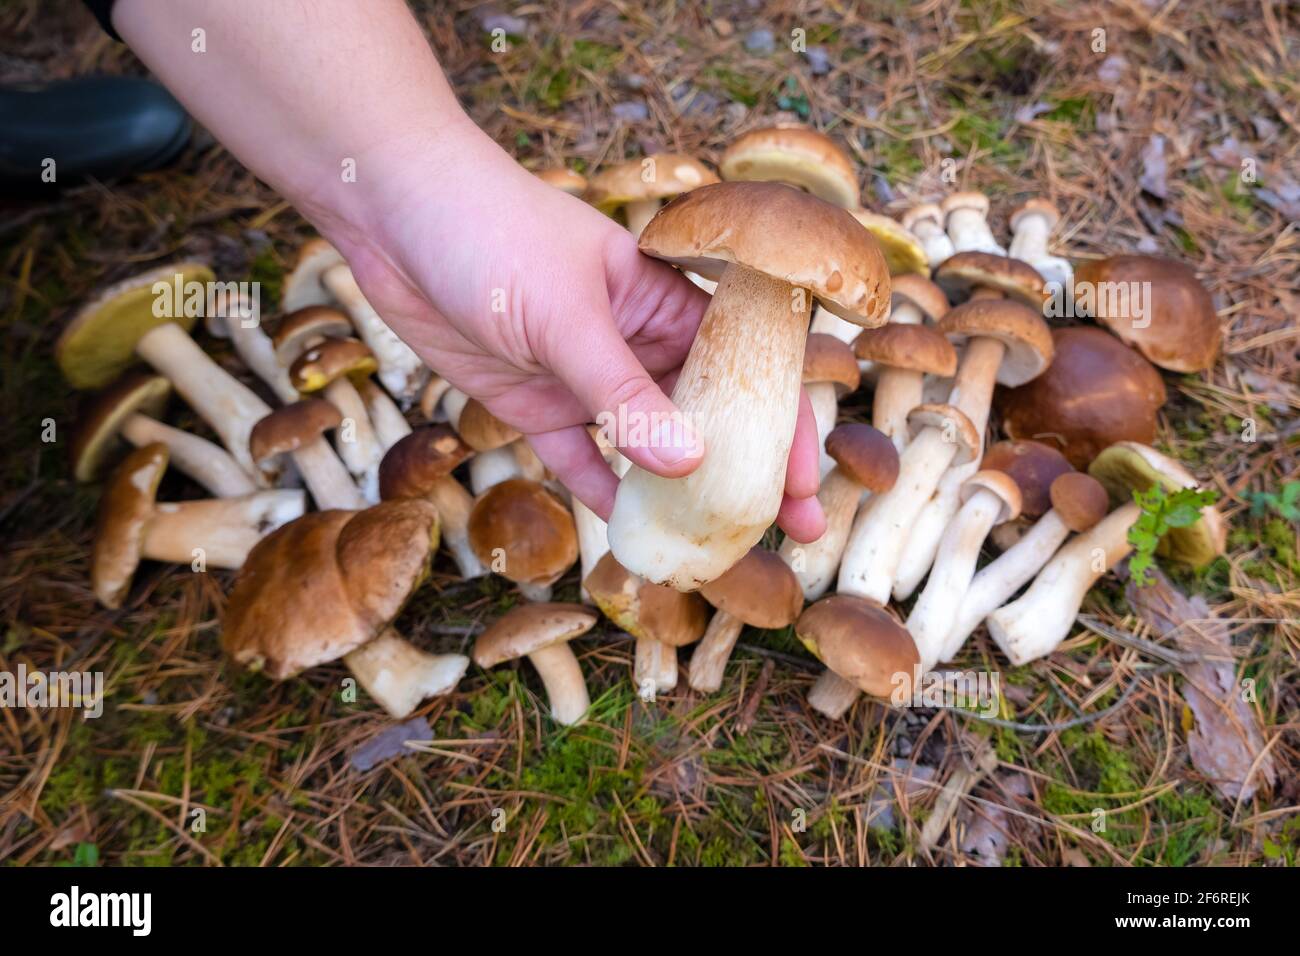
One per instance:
[(865, 454), (759, 589), (1033, 466), (302, 285), (779, 231), (565, 180), (1079, 500), (1035, 206), (290, 427), (959, 274), (482, 430), (954, 424), (124, 511), (645, 609), (99, 343), (861, 642), (96, 439), (1175, 325), (919, 348), (797, 156), (531, 627), (1022, 330), (903, 251), (922, 293), (660, 176), (325, 584), (1002, 485), (303, 325), (530, 526), (1097, 391), (827, 359), (414, 464), (330, 359)]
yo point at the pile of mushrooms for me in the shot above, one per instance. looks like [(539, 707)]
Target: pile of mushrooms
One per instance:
[(326, 466)]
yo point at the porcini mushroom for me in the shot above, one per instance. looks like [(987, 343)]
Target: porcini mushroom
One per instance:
[(135, 526), (238, 318), (130, 410), (1033, 466), (1032, 223), (328, 586), (772, 249), (967, 223), (523, 532), (797, 156), (639, 187), (861, 643), (303, 284), (400, 369), (563, 179), (297, 430), (541, 632), (759, 590), (905, 354), (926, 223), (130, 320), (1036, 623), (830, 371)]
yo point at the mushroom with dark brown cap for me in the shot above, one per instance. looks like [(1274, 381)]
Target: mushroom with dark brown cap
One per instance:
[(131, 410), (1078, 502), (124, 323), (639, 187), (1032, 223), (773, 249), (660, 619), (797, 156), (563, 179), (862, 644), (926, 223), (420, 466), (967, 223), (541, 632), (988, 498), (865, 461), (903, 251), (329, 586), (830, 371), (1155, 304), (135, 526), (1098, 391), (759, 590), (477, 427), (905, 354), (297, 430), (942, 435), (523, 532), (400, 370), (1033, 466), (1039, 620)]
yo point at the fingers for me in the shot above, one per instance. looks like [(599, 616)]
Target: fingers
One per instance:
[(802, 519), (803, 469), (574, 459)]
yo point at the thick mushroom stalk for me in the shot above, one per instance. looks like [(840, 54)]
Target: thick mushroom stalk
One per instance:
[(218, 531), (400, 369), (926, 223), (967, 224), (566, 688), (398, 675), (208, 464), (1032, 225), (991, 497), (709, 659), (831, 695), (239, 320)]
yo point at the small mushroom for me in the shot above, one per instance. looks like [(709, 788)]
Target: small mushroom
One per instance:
[(1033, 466), (238, 318), (541, 632), (863, 646), (967, 223), (135, 526), (130, 410), (565, 180), (926, 223), (759, 590), (297, 430), (523, 532), (1033, 222), (639, 187), (1035, 624), (400, 370), (905, 354), (830, 372), (477, 427), (797, 156)]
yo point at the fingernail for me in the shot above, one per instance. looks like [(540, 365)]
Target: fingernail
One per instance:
[(676, 442)]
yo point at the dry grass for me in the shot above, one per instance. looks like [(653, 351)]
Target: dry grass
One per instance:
[(1017, 99)]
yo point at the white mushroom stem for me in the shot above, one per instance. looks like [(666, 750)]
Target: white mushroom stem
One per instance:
[(532, 591), (221, 400), (937, 246), (218, 532), (639, 214), (400, 369), (326, 478), (490, 468), (654, 668), (1029, 244), (1036, 624), (816, 562), (398, 675), (884, 522), (210, 465), (969, 231), (709, 660), (708, 285), (243, 327), (898, 390), (831, 695), (826, 322), (934, 613), (390, 425), (454, 505), (739, 391), (593, 542), (826, 409), (997, 582), (355, 438), (566, 689)]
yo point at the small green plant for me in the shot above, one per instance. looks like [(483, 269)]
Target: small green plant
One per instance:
[(1284, 503), (1161, 511)]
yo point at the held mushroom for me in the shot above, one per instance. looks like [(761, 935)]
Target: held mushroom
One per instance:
[(863, 646), (797, 156), (523, 532), (759, 590), (541, 632), (772, 248), (1078, 503), (420, 466), (905, 354), (988, 498), (1035, 624), (328, 586), (593, 532), (967, 223), (297, 430), (400, 369), (865, 462), (926, 223), (130, 320), (659, 618), (830, 371), (130, 410), (639, 187), (135, 526), (1033, 222)]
